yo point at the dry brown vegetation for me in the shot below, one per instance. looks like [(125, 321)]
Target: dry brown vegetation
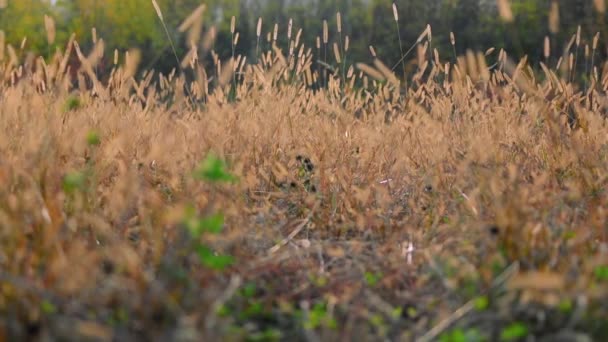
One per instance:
[(471, 205)]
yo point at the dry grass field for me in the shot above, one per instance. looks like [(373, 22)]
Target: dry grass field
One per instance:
[(286, 199)]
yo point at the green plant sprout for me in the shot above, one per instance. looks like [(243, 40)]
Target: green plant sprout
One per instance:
[(212, 170)]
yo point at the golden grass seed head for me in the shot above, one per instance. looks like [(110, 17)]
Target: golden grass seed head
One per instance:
[(232, 24), (301, 54), (372, 72), (337, 53), (452, 39), (547, 47), (504, 11), (159, 13), (423, 35), (339, 22), (325, 32), (132, 59), (596, 39), (595, 73), (298, 36), (209, 38), (600, 5), (559, 63), (483, 67), (571, 42), (395, 12), (258, 30), (421, 53), (49, 25), (386, 72), (195, 16), (502, 56), (2, 42), (554, 17), (237, 63)]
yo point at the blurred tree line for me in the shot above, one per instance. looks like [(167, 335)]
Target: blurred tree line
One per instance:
[(475, 23)]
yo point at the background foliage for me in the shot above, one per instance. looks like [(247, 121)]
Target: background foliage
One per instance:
[(475, 23)]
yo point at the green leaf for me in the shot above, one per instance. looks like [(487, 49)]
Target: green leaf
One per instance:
[(93, 138), (514, 331), (249, 290), (73, 181), (213, 169), (396, 312), (481, 303), (316, 316), (72, 102), (498, 267), (565, 305), (459, 335), (254, 309), (331, 323), (412, 312), (266, 335), (601, 272), (569, 235), (47, 307), (214, 261), (320, 280), (223, 311), (455, 336), (212, 224), (372, 278), (376, 320)]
